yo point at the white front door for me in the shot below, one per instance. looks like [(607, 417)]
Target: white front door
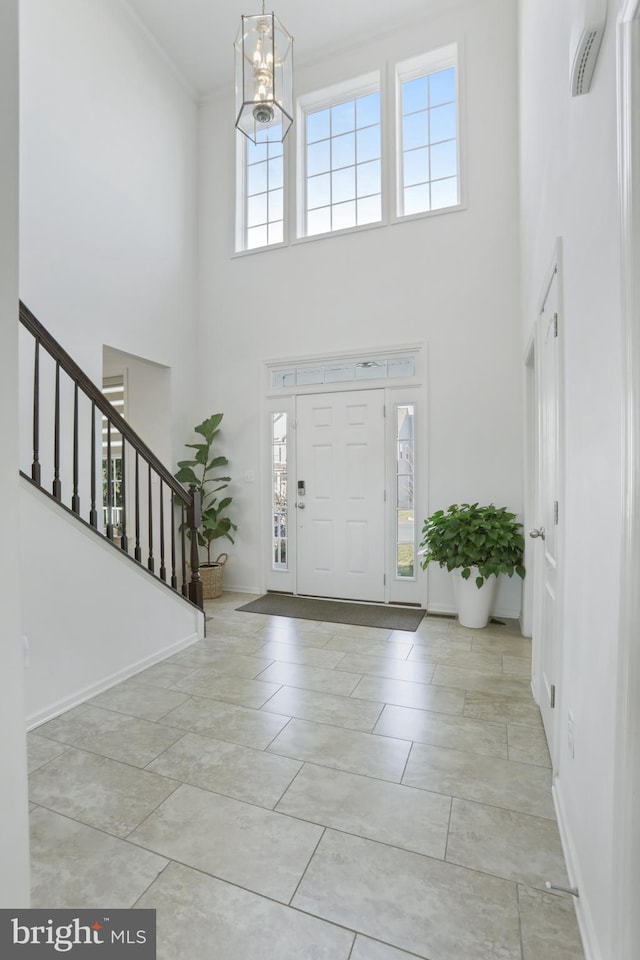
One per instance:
[(546, 634), (340, 512)]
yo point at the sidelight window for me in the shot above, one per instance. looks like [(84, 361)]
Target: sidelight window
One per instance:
[(405, 491), (279, 500)]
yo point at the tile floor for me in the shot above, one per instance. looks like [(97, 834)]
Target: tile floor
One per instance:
[(291, 789)]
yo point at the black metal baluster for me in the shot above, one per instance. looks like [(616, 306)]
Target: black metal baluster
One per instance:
[(138, 551), (109, 484), (163, 569), (75, 499), (93, 513), (150, 561), (35, 466), (195, 519), (185, 586), (174, 578), (124, 540), (57, 486)]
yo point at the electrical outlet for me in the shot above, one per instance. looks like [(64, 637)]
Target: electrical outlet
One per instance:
[(571, 740)]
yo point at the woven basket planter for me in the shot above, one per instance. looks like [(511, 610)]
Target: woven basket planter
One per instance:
[(212, 576)]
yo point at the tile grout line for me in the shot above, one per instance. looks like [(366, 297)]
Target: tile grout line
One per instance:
[(302, 876), (148, 887)]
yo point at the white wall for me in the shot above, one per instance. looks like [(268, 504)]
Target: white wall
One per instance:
[(74, 652), (449, 280), (14, 843), (147, 398), (569, 190), (108, 191)]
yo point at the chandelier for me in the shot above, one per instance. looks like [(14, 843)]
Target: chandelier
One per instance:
[(264, 77)]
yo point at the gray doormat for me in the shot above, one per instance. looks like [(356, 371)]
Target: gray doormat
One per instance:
[(333, 611)]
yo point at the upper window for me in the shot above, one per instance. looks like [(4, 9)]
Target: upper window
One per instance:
[(261, 199), (427, 109), (343, 148), (340, 156)]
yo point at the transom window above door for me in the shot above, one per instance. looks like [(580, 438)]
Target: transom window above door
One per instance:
[(344, 370)]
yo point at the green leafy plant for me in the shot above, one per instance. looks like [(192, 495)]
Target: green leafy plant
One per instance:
[(468, 535), (215, 521)]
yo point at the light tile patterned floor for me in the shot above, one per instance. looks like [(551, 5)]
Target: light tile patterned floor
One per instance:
[(293, 790)]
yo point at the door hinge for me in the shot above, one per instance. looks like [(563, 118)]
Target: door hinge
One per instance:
[(555, 512), (384, 579), (384, 410), (552, 698), (384, 496), (555, 324)]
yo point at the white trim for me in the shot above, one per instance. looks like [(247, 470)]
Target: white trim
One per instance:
[(81, 696), (530, 486), (626, 832), (583, 915), (554, 272)]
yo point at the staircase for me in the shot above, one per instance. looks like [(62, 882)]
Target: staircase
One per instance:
[(107, 593)]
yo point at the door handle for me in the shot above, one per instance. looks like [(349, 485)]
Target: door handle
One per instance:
[(534, 534), (300, 506)]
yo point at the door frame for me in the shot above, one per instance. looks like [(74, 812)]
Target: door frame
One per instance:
[(625, 885), (397, 390), (533, 519)]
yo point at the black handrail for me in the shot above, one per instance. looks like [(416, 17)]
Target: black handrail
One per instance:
[(185, 502)]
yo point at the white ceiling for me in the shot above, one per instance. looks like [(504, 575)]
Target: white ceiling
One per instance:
[(198, 35)]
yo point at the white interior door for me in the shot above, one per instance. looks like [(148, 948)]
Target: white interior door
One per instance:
[(546, 635), (340, 512)]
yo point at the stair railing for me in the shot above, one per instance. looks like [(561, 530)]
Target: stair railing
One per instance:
[(156, 512)]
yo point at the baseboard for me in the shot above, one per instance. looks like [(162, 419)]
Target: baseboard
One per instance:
[(242, 588), (581, 905), (449, 610), (61, 706)]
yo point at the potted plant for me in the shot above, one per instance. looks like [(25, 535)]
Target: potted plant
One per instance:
[(476, 544), (202, 471)]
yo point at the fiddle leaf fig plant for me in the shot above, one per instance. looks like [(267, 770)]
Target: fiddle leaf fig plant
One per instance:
[(202, 471), (468, 535)]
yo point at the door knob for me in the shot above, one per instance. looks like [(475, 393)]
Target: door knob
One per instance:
[(301, 506), (534, 534)]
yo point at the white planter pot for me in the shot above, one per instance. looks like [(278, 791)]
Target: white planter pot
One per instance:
[(474, 605)]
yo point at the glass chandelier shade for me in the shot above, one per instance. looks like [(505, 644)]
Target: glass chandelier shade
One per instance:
[(264, 77)]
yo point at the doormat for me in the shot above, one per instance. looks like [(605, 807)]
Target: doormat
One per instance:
[(333, 611)]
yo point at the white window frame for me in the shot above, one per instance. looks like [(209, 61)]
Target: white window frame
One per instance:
[(242, 200), (442, 58), (361, 86), (387, 81)]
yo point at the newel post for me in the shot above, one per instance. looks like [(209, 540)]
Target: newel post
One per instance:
[(194, 519)]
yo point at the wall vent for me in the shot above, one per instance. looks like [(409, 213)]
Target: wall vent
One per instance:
[(588, 19), (584, 61)]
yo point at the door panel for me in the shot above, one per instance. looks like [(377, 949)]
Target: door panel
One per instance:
[(545, 633), (340, 516)]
